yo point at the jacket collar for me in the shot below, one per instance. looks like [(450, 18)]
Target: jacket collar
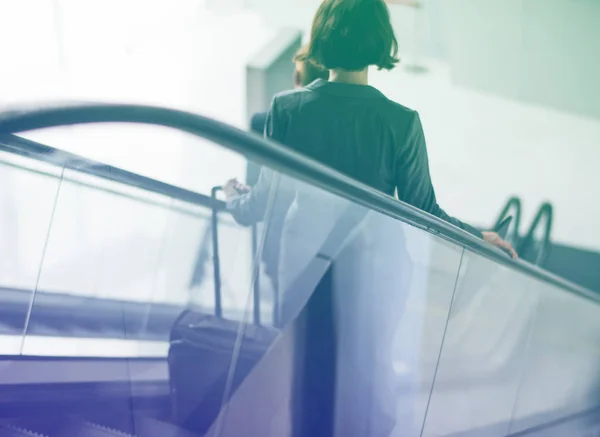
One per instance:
[(345, 89)]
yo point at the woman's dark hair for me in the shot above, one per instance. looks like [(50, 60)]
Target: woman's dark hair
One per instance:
[(351, 35)]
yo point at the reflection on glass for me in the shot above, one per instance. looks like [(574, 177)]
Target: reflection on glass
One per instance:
[(355, 291), (27, 200), (125, 261), (126, 300), (393, 288), (364, 325), (483, 351), (563, 349)]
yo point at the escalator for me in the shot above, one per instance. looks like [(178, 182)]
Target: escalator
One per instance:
[(509, 221), (390, 322), (536, 242), (534, 246)]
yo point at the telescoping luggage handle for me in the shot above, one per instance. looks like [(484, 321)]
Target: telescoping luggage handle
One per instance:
[(217, 262)]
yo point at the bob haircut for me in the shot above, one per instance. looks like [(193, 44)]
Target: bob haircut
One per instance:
[(351, 35)]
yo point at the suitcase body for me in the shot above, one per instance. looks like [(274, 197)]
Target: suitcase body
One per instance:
[(202, 350)]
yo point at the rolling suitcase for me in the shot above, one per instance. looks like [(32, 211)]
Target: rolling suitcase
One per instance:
[(202, 348)]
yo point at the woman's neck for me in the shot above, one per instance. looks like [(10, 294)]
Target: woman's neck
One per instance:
[(352, 77)]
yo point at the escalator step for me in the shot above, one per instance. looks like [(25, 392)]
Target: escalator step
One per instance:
[(70, 426), (88, 429), (148, 427), (67, 427), (16, 431)]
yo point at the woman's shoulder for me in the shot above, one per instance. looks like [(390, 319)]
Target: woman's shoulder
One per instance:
[(395, 114), (292, 101), (292, 95), (397, 109)]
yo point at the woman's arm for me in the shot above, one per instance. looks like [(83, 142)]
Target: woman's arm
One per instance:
[(250, 207), (413, 180), (414, 186)]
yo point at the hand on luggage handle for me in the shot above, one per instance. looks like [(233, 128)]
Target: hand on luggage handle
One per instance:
[(216, 258), (233, 188)]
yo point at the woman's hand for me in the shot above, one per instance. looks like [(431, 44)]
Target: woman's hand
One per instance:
[(233, 188), (495, 240)]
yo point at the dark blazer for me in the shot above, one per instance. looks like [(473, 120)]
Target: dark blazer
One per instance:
[(271, 249), (257, 125), (258, 121), (357, 131)]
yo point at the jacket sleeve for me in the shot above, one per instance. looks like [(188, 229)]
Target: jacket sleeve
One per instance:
[(413, 180), (251, 207), (257, 123)]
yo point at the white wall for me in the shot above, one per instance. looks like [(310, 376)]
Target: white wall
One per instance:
[(539, 51)]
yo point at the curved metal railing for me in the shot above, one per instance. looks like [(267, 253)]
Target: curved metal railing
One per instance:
[(534, 246), (512, 209), (278, 158)]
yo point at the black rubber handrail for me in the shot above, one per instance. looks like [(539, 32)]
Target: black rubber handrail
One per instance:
[(30, 149), (544, 213), (280, 159), (511, 208)]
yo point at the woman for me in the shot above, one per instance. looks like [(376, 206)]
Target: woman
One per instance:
[(349, 125), (353, 128)]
